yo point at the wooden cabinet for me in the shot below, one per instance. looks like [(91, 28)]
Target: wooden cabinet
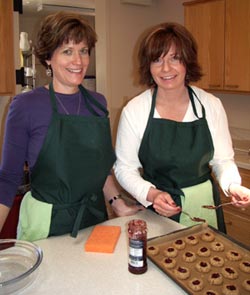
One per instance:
[(221, 29), (238, 219), (7, 68), (237, 49)]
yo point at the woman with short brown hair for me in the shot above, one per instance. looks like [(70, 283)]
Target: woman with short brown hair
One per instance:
[(172, 136)]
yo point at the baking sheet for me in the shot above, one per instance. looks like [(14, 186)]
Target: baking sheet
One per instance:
[(163, 242)]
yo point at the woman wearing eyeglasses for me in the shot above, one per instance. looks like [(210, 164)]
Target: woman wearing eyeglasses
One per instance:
[(173, 136)]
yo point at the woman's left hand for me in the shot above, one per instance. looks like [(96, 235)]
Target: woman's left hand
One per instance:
[(121, 208), (240, 195)]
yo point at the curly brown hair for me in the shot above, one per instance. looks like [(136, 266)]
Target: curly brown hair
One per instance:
[(158, 40), (60, 28)]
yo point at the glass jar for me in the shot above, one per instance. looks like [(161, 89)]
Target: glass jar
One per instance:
[(137, 235)]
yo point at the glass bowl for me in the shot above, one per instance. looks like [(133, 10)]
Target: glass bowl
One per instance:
[(19, 262)]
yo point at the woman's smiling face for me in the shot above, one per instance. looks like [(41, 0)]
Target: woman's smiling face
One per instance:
[(168, 71), (69, 63)]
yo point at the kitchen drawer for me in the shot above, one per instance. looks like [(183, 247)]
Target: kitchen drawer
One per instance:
[(238, 227)]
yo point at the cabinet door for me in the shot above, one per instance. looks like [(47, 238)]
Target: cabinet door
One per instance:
[(205, 20), (7, 68), (237, 51)]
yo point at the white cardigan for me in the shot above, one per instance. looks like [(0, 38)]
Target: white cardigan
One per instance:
[(131, 128)]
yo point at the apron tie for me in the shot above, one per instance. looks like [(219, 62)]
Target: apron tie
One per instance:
[(86, 203)]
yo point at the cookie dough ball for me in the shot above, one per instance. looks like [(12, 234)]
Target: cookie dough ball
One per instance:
[(246, 284), (191, 240), (215, 278), (179, 244), (229, 273), (245, 266), (153, 250), (217, 246), (168, 262), (207, 236), (217, 261), (203, 266), (196, 284), (170, 252), (182, 273), (233, 255), (230, 289), (204, 252), (189, 256)]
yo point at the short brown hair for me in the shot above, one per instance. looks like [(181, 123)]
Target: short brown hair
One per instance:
[(60, 28), (158, 40)]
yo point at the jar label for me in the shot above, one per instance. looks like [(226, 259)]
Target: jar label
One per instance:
[(136, 253)]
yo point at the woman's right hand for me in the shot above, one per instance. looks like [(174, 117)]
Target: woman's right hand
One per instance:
[(163, 203)]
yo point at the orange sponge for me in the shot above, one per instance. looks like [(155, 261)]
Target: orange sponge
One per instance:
[(103, 239)]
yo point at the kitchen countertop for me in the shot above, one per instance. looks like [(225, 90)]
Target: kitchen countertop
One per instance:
[(242, 153), (67, 269), (241, 144)]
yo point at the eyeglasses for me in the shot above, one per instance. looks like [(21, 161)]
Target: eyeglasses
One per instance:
[(173, 60)]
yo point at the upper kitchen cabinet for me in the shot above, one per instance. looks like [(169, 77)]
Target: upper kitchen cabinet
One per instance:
[(237, 49), (221, 29), (205, 20), (7, 68)]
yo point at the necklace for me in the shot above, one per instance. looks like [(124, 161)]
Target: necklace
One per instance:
[(64, 108)]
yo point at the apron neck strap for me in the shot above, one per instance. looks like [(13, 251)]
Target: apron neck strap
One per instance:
[(52, 97), (151, 115), (87, 98), (191, 96)]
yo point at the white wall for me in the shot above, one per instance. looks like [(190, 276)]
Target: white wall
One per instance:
[(125, 23)]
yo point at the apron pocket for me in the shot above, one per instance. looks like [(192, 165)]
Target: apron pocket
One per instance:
[(34, 219), (192, 201)]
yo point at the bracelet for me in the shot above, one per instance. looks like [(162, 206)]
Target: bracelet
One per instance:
[(114, 198)]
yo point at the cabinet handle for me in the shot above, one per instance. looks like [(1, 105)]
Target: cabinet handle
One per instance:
[(232, 86), (214, 85)]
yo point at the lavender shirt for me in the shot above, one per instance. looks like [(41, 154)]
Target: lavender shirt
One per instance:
[(25, 130)]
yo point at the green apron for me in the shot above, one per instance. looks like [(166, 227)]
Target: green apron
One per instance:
[(68, 178), (175, 158)]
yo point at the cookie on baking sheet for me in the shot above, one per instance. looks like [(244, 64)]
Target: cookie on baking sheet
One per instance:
[(246, 284), (207, 236), (182, 272), (217, 261), (230, 289), (203, 266), (204, 252), (153, 250), (170, 252), (215, 278), (179, 244), (229, 273), (217, 246), (233, 255), (191, 240), (196, 284), (168, 262), (210, 292), (245, 266), (189, 256)]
